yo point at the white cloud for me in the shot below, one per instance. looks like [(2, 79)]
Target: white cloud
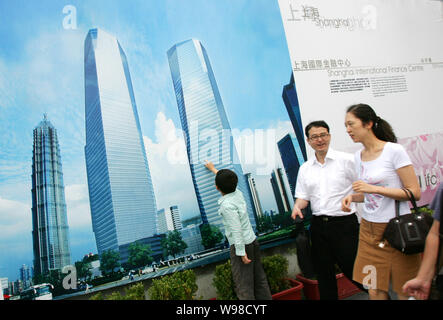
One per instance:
[(170, 142), (77, 206), (169, 168), (76, 192), (15, 218)]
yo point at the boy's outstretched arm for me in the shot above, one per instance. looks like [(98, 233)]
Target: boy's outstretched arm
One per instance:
[(210, 166)]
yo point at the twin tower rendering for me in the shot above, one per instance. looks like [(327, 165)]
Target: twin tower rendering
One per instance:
[(121, 193)]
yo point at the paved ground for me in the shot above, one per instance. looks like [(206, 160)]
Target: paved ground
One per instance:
[(358, 296), (364, 296)]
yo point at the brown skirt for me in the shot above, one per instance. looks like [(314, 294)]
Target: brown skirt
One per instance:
[(376, 266)]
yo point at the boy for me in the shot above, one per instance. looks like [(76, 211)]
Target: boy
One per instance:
[(247, 271)]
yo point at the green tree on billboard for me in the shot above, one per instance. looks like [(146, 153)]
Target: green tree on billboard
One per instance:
[(83, 269), (173, 244), (264, 223), (139, 255), (109, 261), (211, 235)]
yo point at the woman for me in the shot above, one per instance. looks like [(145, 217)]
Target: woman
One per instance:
[(383, 168)]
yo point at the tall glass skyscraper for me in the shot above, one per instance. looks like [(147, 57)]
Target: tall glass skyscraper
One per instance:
[(49, 219), (168, 219), (205, 125), (292, 158), (290, 99), (258, 210), (25, 276), (121, 195), (176, 218), (282, 199)]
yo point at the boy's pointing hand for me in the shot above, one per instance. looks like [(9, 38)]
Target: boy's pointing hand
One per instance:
[(210, 166)]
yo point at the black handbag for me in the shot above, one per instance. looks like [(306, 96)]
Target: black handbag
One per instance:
[(407, 233)]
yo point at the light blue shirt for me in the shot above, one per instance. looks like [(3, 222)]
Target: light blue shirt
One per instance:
[(235, 218)]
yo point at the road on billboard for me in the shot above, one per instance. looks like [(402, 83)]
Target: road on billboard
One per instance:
[(219, 255)]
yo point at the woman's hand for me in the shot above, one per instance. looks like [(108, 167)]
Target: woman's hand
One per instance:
[(363, 187)]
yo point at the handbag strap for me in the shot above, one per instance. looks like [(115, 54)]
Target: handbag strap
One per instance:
[(397, 208), (411, 199)]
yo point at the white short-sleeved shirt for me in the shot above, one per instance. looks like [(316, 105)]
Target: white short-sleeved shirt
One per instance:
[(325, 185), (382, 172)]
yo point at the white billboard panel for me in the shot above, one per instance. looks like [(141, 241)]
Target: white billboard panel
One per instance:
[(388, 54)]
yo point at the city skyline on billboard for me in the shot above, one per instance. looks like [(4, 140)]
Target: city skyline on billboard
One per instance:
[(42, 72)]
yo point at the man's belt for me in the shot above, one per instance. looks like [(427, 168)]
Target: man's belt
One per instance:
[(326, 218)]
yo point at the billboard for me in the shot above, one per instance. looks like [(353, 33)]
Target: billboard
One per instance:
[(387, 54), (68, 59)]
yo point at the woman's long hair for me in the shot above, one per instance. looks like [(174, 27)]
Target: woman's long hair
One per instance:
[(381, 128)]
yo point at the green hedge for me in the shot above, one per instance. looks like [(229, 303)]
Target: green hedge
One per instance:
[(135, 292), (223, 282), (177, 286)]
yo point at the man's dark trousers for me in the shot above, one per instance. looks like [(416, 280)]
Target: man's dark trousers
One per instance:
[(334, 241)]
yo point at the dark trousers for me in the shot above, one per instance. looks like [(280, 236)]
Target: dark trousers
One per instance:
[(334, 241), (250, 279)]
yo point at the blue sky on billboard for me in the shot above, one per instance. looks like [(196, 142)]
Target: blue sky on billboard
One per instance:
[(41, 71)]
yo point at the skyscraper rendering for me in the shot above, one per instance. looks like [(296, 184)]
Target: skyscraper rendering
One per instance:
[(122, 201), (292, 158), (164, 221), (205, 125), (192, 236), (290, 99), (25, 276), (168, 219), (258, 210), (49, 218), (281, 195), (176, 218)]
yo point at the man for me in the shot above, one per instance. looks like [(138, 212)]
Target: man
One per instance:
[(420, 286), (324, 181)]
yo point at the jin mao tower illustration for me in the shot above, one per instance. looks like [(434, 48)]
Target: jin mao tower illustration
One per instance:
[(50, 232)]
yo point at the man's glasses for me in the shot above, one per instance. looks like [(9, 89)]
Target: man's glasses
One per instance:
[(320, 136)]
